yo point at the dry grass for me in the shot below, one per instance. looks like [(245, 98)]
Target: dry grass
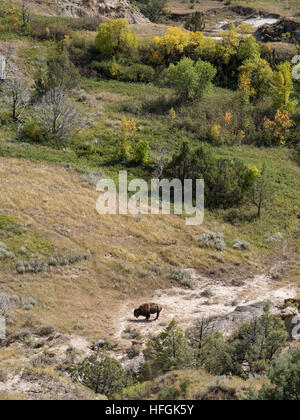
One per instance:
[(182, 7), (149, 30), (55, 203), (191, 385)]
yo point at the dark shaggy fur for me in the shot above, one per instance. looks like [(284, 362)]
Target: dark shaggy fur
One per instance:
[(147, 309)]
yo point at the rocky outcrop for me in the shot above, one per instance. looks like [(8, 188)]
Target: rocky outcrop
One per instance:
[(98, 8), (228, 323), (274, 33)]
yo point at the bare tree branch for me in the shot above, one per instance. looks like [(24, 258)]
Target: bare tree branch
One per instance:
[(16, 96), (57, 114)]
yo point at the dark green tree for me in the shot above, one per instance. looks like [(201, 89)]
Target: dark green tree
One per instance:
[(261, 341), (154, 10), (195, 22), (285, 380), (101, 373), (57, 73), (227, 181), (169, 350)]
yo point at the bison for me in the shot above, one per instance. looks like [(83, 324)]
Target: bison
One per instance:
[(147, 309)]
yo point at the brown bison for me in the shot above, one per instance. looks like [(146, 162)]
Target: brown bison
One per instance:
[(147, 309)]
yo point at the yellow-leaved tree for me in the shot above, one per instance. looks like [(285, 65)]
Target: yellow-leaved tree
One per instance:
[(174, 41), (255, 77), (282, 89), (115, 37)]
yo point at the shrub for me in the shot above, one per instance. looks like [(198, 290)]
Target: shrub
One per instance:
[(7, 303), (4, 253), (254, 345), (191, 79), (28, 303), (259, 74), (134, 351), (152, 9), (167, 351), (57, 116), (102, 373), (45, 31), (45, 330), (115, 37), (86, 150), (277, 237), (157, 270), (58, 73), (195, 22), (169, 394), (141, 152), (183, 277), (136, 73), (240, 244), (214, 240), (227, 181), (131, 333), (285, 381), (33, 132)]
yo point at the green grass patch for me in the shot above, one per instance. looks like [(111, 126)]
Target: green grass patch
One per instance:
[(15, 235)]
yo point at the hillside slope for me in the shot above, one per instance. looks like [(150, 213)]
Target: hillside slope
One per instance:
[(90, 8)]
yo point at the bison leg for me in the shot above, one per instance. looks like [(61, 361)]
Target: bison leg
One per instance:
[(147, 317)]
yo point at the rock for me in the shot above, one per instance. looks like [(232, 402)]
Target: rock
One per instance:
[(227, 324), (288, 316), (134, 365), (102, 9), (273, 33)]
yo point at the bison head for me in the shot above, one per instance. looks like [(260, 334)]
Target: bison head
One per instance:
[(136, 313)]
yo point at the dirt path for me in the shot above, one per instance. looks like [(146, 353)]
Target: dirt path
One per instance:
[(208, 298)]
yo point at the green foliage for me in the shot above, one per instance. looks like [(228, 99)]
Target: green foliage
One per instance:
[(195, 22), (252, 350), (202, 341), (260, 74), (248, 49), (33, 132), (58, 72), (154, 10), (191, 79), (169, 394), (133, 73), (285, 380), (261, 341), (102, 373), (115, 37), (141, 152), (227, 182), (168, 351), (282, 88)]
